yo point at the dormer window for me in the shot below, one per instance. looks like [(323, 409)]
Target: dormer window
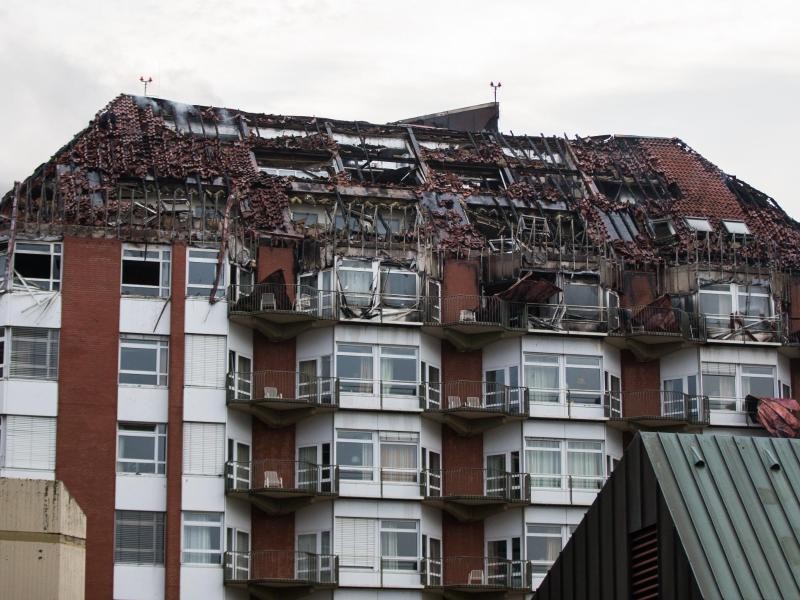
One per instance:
[(736, 227), (699, 225), (662, 229)]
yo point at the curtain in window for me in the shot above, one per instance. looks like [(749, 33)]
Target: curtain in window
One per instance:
[(545, 459), (585, 464), (356, 287), (400, 460), (542, 380)]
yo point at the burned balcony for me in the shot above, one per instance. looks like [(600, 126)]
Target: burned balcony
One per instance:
[(463, 576), (471, 407), (280, 487), (280, 398), (280, 311), (280, 574), (651, 410), (742, 313), (473, 494), (654, 330), (471, 322)]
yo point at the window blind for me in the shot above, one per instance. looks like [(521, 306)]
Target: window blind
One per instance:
[(34, 353), (712, 368), (30, 442), (355, 541), (205, 361), (203, 448), (139, 537)]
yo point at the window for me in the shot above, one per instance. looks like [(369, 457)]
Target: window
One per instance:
[(202, 538), (582, 301), (398, 452), (354, 541), (203, 448), (38, 265), (619, 225), (240, 370), (547, 374), (354, 454), (662, 229), (580, 461), (719, 384), (399, 544), (2, 351), (143, 360), (719, 301), (242, 280), (204, 363), (30, 442), (356, 282), (758, 381), (237, 565), (146, 272), (34, 353), (699, 225), (544, 544), (583, 379), (141, 448), (2, 441), (354, 368), (204, 270), (398, 288), (139, 537), (736, 227), (399, 370)]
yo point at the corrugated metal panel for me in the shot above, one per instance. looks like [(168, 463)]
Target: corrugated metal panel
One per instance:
[(735, 503)]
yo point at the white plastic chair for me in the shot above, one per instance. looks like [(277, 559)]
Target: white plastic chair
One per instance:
[(268, 302), (466, 316), (453, 401), (473, 402), (271, 392), (272, 479), (476, 576)]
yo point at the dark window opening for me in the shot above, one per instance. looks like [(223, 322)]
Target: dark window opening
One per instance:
[(138, 272), (32, 266)]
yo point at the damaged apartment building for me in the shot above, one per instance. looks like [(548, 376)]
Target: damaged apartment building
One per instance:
[(290, 357)]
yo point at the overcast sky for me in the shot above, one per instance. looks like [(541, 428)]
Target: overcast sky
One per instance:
[(721, 75)]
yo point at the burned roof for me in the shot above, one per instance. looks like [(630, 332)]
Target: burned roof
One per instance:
[(146, 164)]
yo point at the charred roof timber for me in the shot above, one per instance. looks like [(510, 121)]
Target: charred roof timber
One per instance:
[(450, 183)]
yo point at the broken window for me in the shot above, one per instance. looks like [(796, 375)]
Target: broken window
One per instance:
[(38, 265), (582, 300), (398, 288), (736, 227), (300, 167), (699, 225), (476, 179), (204, 271), (146, 272), (662, 229), (620, 225), (355, 281)]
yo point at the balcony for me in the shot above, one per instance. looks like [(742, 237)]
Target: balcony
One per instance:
[(281, 311), (460, 576), (472, 407), (280, 398), (656, 410), (791, 337), (280, 574), (566, 404), (280, 487), (553, 488), (653, 331), (473, 494)]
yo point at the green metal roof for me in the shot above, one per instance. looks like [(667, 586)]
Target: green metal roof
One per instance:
[(735, 502)]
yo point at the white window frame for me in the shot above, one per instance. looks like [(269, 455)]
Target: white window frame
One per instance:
[(51, 249), (562, 362), (189, 519), (698, 224), (376, 385), (146, 342), (732, 226), (157, 432), (539, 568), (738, 372), (375, 440), (205, 256), (735, 291), (2, 352), (162, 256), (139, 516), (565, 477), (17, 369), (391, 526), (3, 425), (240, 382)]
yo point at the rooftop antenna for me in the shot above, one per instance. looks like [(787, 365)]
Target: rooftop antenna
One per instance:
[(145, 82), (494, 87)]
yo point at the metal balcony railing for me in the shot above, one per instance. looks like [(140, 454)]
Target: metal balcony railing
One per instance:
[(791, 331), (281, 477), (378, 475), (277, 568), (656, 321), (744, 328), (566, 317), (479, 573), (468, 484), (669, 406), (282, 388), (286, 298), (475, 396)]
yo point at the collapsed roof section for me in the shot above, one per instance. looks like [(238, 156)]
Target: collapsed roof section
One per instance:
[(147, 168)]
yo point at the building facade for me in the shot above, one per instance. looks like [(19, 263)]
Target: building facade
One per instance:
[(294, 357)]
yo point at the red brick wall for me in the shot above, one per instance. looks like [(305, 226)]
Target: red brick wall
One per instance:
[(273, 258), (87, 396), (175, 424), (460, 279), (462, 547), (640, 376)]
